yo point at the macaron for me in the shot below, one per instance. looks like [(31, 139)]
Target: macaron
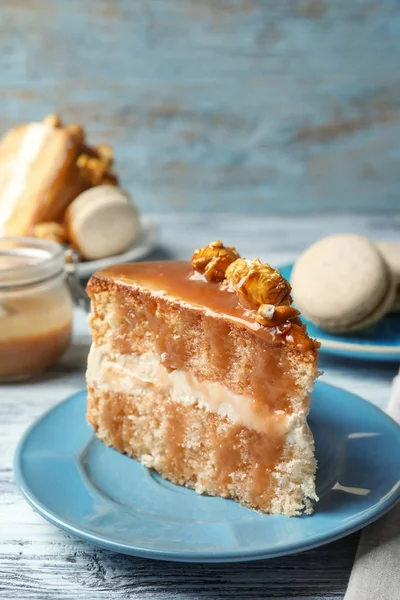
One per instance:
[(342, 284), (101, 222), (391, 253)]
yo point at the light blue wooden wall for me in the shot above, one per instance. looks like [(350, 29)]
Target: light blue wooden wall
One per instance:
[(230, 105)]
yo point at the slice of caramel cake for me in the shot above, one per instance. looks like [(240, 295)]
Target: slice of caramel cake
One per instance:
[(203, 372)]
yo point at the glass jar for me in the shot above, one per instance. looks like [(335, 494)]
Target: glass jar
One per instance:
[(35, 307)]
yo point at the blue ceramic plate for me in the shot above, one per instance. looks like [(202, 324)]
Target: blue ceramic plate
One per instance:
[(74, 481), (380, 342)]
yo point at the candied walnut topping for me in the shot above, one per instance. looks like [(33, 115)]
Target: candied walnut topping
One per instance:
[(256, 283), (77, 132), (213, 260), (259, 288), (53, 120), (274, 316), (106, 153), (96, 164), (54, 232)]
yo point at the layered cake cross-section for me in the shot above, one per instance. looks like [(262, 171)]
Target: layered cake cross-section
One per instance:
[(203, 371)]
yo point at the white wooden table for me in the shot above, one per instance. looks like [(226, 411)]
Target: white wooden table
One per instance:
[(37, 561)]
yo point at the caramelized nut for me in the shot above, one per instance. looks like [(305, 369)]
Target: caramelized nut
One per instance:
[(95, 165), (105, 153), (109, 178), (82, 161), (54, 232), (256, 283), (53, 120), (93, 169), (213, 260), (273, 316), (266, 311), (77, 132)]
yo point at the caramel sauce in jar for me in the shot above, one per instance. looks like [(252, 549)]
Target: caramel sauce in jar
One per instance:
[(35, 307)]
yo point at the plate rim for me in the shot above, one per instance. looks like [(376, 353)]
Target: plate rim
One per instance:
[(353, 349), (195, 556)]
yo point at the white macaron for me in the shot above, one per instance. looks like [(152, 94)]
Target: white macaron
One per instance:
[(391, 253), (342, 283), (102, 221)]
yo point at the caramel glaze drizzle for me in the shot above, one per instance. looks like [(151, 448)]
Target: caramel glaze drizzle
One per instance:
[(177, 279)]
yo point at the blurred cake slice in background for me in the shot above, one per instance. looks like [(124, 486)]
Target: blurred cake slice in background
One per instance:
[(43, 167)]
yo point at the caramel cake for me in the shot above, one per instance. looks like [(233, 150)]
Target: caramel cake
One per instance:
[(43, 167), (203, 372)]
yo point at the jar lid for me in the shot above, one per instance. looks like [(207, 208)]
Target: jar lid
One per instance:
[(26, 261)]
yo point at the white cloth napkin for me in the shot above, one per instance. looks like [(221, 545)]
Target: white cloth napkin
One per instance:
[(376, 570)]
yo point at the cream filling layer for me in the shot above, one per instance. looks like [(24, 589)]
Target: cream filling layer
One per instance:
[(17, 169), (136, 374)]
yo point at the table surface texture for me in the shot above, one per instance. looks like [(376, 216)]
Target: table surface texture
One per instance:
[(39, 562)]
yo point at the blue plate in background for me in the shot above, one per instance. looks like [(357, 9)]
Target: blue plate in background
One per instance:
[(380, 342), (74, 481)]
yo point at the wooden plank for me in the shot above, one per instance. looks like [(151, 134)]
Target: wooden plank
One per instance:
[(251, 105), (39, 562)]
